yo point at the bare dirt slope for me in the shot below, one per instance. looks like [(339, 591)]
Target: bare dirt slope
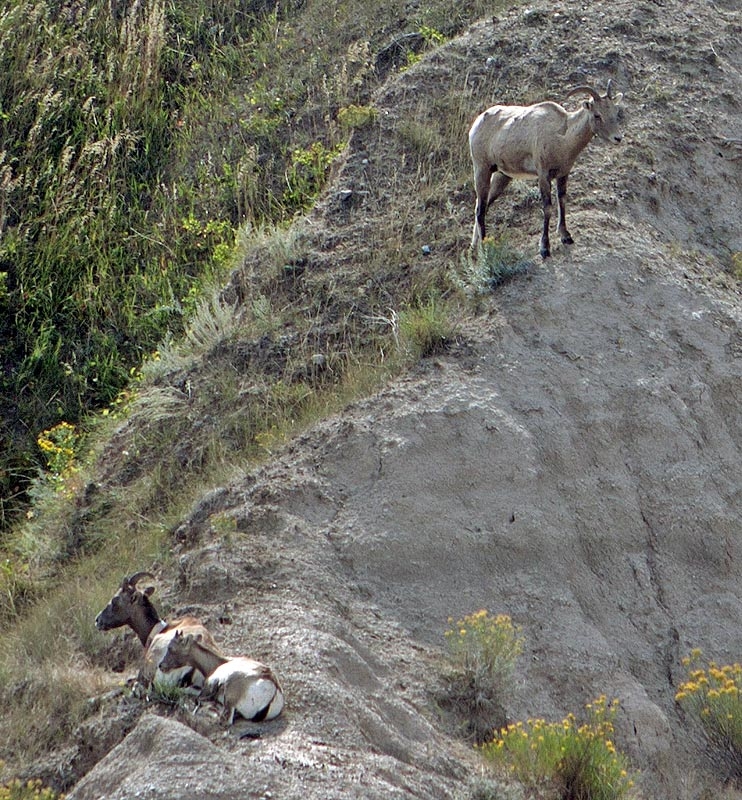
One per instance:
[(574, 461)]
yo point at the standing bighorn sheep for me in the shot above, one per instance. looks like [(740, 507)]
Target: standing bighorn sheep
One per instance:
[(539, 141), (240, 684), (132, 607)]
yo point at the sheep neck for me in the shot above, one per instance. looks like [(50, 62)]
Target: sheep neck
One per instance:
[(143, 620), (579, 132)]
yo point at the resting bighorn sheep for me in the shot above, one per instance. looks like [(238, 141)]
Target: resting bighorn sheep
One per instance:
[(132, 607), (240, 684), (539, 141)]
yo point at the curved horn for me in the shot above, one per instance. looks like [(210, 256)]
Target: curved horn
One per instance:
[(138, 576), (589, 89)]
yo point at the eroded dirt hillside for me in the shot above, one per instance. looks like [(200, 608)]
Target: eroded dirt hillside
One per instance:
[(573, 461)]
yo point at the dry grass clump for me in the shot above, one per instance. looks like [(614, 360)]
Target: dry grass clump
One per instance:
[(426, 328)]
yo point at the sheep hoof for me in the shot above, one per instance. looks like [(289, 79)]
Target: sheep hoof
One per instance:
[(545, 253), (567, 239)]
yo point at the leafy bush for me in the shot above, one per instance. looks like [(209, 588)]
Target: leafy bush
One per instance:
[(306, 174), (579, 761), (349, 117), (711, 695), (483, 651)]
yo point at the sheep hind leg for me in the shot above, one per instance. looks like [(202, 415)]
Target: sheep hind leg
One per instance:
[(545, 187), (487, 192), (562, 226)]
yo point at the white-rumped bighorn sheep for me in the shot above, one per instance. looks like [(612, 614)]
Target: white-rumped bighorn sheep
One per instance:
[(131, 606), (240, 684), (539, 141)]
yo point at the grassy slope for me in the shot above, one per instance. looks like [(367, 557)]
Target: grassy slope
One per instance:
[(135, 139)]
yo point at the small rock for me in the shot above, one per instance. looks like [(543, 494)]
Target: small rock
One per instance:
[(534, 16)]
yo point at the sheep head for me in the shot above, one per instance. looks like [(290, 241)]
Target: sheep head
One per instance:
[(178, 650), (605, 112), (129, 606)]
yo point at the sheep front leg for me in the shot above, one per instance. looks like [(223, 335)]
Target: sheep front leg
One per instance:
[(481, 186), (545, 187), (562, 226)]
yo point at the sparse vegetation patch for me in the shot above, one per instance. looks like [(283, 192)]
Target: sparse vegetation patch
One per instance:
[(497, 261), (711, 696)]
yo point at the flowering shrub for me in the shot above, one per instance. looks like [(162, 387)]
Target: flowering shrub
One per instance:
[(30, 790), (59, 446), (580, 761), (483, 651), (712, 696), (485, 646)]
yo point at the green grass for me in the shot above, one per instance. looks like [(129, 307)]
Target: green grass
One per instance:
[(496, 262), (30, 790), (100, 247)]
